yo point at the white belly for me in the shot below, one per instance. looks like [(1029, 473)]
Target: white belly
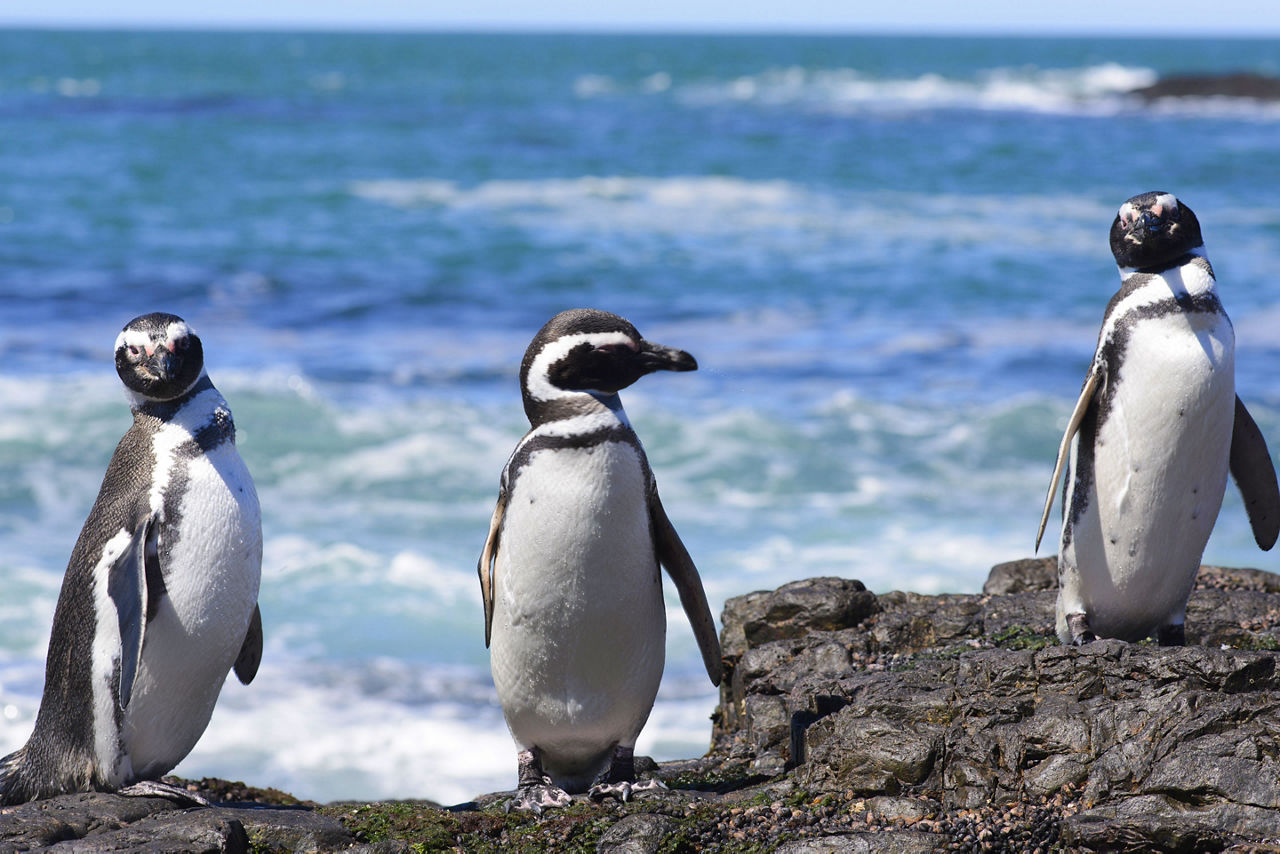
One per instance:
[(211, 578), (1160, 470), (579, 623)]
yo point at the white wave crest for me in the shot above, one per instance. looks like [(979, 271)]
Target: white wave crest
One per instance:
[(1090, 88), (754, 222), (382, 729)]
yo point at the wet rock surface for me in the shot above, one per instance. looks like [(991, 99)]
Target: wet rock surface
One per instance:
[(853, 722)]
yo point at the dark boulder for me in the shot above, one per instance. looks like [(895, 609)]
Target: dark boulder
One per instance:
[(1258, 87)]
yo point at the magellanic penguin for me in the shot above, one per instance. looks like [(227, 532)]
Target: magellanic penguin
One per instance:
[(159, 600), (570, 574), (1152, 437)]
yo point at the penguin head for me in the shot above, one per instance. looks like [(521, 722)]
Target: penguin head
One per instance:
[(1152, 230), (588, 351), (158, 357)]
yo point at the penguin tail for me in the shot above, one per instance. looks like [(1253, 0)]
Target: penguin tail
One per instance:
[(12, 791)]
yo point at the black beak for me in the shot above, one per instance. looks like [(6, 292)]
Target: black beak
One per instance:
[(656, 357), (1149, 224), (160, 365)]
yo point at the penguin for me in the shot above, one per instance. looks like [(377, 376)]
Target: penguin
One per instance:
[(1156, 429), (159, 600), (569, 574)]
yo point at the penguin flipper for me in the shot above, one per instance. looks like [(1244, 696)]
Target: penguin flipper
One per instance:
[(1077, 416), (1256, 477), (675, 558), (488, 560), (127, 587), (246, 666)]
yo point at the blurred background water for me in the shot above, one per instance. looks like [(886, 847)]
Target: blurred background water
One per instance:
[(888, 254)]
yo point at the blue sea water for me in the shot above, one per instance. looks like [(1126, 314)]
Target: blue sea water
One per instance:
[(888, 255)]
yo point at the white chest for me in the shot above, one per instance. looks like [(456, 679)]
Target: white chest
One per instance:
[(579, 623), (1158, 472), (577, 534), (1170, 407), (210, 554)]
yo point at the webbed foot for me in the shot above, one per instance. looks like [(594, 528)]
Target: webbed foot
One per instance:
[(624, 789), (1078, 625), (538, 797), (619, 779), (534, 790), (157, 789)]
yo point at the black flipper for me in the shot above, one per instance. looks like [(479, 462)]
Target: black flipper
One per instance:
[(127, 587), (246, 666), (489, 560), (1256, 477), (675, 558), (1064, 448)]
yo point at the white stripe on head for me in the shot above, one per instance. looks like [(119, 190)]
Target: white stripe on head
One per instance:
[(146, 341), (1163, 205), (539, 384)]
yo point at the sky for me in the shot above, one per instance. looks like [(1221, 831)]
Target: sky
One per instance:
[(1101, 17)]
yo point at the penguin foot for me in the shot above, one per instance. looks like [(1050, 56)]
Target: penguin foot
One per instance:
[(619, 779), (538, 797), (534, 789), (623, 790), (1172, 635), (1078, 625), (157, 789)]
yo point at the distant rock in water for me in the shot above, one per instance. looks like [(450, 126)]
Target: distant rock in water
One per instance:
[(1258, 87)]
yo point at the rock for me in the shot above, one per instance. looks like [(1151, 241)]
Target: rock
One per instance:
[(1022, 576), (856, 722), (101, 822), (887, 842), (293, 829), (635, 834), (200, 831), (1160, 822), (793, 610), (45, 823), (1258, 87), (970, 700)]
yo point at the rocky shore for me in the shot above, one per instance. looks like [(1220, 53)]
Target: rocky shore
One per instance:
[(1241, 84), (854, 722)]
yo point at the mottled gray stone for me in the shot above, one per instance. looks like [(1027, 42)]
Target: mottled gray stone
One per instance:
[(635, 834), (885, 842), (793, 610), (195, 831), (970, 699), (1022, 576), (291, 829), (889, 807), (99, 822)]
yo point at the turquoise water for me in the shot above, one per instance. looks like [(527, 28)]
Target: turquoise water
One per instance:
[(888, 255)]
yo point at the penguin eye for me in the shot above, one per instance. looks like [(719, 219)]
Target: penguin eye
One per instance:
[(611, 348), (134, 350)]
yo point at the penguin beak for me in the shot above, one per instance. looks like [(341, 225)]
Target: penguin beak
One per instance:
[(656, 357), (1149, 223), (160, 365)]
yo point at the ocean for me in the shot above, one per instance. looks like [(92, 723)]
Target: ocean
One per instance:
[(888, 254)]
